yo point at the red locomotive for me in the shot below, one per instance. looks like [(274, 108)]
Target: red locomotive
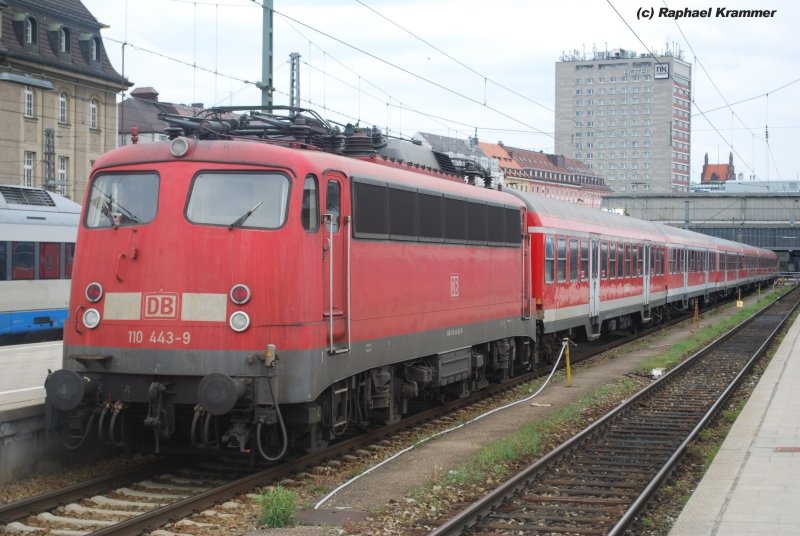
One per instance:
[(231, 292)]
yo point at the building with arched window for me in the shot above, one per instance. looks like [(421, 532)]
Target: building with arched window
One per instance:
[(59, 93)]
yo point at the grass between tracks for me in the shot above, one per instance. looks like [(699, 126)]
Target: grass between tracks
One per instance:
[(495, 463)]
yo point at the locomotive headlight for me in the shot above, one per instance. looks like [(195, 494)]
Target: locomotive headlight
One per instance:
[(240, 294), (91, 318), (94, 291), (179, 147), (239, 321)]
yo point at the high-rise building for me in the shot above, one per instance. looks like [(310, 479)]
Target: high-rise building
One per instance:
[(628, 117)]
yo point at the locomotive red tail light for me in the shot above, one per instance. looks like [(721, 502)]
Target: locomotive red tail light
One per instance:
[(240, 294), (94, 292)]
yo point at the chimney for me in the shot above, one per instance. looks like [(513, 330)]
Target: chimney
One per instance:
[(145, 93)]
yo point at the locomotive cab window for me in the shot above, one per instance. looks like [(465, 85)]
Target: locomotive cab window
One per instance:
[(237, 199), (122, 200), (309, 212), (333, 204)]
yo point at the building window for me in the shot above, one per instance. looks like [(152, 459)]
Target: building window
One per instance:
[(95, 50), (93, 113), (63, 40), (30, 31), (62, 107), (28, 102), (61, 184), (27, 168)]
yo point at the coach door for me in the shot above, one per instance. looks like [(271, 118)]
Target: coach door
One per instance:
[(594, 278), (648, 261), (336, 262)]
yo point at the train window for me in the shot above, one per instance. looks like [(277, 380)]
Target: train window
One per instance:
[(496, 225), (403, 214), (69, 257), (127, 199), (513, 231), (476, 223), (620, 260), (370, 209), (236, 199), (22, 260), (612, 259), (3, 257), (309, 212), (585, 260), (626, 260), (604, 259), (573, 260), (49, 260), (562, 259), (455, 220), (549, 259), (640, 260), (431, 217), (333, 204)]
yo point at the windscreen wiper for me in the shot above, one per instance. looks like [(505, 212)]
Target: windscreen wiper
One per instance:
[(241, 219)]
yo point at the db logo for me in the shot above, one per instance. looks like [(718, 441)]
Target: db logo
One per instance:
[(454, 290), (160, 306)]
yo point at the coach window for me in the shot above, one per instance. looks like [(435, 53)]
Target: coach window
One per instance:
[(612, 259), (626, 260), (585, 259), (49, 260), (562, 259), (333, 203), (573, 259), (3, 257), (22, 265), (604, 259), (549, 259), (69, 257), (309, 213)]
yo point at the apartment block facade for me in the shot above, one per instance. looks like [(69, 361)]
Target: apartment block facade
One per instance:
[(628, 117)]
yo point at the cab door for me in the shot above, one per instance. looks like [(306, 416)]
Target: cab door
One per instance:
[(336, 261)]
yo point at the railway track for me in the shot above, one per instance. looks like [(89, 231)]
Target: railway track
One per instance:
[(149, 496), (598, 481)]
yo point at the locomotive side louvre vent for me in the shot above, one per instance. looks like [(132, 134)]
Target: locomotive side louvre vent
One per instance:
[(26, 196)]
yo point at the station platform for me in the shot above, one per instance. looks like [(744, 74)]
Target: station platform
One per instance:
[(753, 484)]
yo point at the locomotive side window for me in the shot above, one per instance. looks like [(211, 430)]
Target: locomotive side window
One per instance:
[(549, 259), (370, 208), (431, 217), (476, 223), (496, 225), (122, 200), (237, 199), (562, 259), (403, 214), (309, 213), (333, 203), (513, 232), (573, 259), (455, 220), (3, 257)]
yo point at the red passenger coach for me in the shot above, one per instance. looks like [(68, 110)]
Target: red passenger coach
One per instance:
[(265, 283)]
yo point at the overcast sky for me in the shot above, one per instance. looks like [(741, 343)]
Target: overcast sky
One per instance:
[(452, 67)]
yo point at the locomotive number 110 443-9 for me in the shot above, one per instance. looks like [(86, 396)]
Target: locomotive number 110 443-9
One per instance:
[(159, 337)]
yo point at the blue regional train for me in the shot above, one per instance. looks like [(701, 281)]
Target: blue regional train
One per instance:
[(37, 245)]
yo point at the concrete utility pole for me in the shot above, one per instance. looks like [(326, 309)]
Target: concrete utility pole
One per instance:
[(266, 55)]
